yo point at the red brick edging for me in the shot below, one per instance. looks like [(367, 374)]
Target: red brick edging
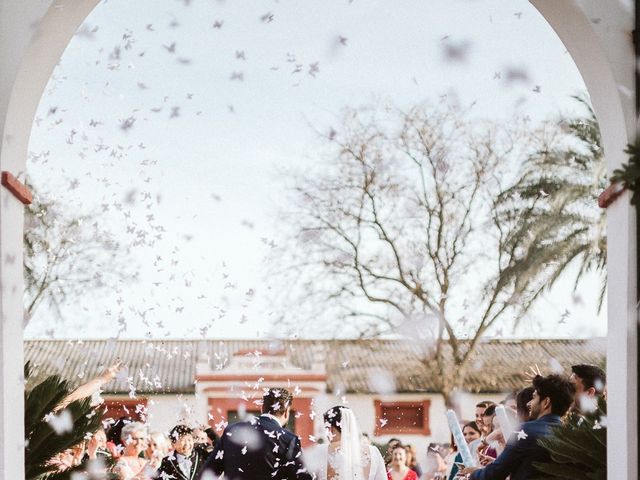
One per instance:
[(15, 186), (610, 194)]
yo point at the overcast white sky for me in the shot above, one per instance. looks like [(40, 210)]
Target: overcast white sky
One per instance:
[(219, 94)]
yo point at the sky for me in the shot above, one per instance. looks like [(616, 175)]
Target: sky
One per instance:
[(170, 121)]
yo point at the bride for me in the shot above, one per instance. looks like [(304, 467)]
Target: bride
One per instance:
[(346, 457)]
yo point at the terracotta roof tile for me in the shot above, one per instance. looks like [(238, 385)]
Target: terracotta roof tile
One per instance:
[(362, 366)]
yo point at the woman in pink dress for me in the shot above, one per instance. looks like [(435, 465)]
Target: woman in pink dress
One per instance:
[(130, 466), (399, 469)]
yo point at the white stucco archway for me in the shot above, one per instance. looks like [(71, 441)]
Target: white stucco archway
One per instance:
[(597, 33), (598, 36), (33, 36)]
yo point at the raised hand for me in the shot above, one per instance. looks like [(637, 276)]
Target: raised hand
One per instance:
[(532, 372)]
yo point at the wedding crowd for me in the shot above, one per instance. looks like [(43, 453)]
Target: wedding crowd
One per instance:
[(128, 450), (500, 442)]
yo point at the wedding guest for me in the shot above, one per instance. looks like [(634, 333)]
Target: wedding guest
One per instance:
[(212, 435), (487, 419), (201, 441), (412, 461), (158, 447), (185, 463), (435, 467), (199, 436), (97, 459), (130, 465), (69, 458), (510, 401), (590, 382), (552, 398), (78, 452), (450, 459), (114, 436), (392, 444), (92, 387), (480, 409), (523, 397), (399, 469), (97, 447), (496, 438), (588, 379), (63, 460), (471, 432), (487, 452)]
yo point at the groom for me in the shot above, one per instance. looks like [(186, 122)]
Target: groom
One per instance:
[(260, 449)]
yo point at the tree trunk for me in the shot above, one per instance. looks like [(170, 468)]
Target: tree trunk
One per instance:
[(450, 401), (452, 387)]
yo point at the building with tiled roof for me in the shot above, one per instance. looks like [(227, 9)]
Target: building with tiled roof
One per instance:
[(389, 383)]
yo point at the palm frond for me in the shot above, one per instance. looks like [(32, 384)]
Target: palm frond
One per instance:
[(43, 442), (552, 207), (578, 448)]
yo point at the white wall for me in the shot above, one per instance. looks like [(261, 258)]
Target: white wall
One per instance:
[(166, 411)]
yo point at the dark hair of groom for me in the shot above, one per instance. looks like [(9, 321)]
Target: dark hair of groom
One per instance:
[(276, 401)]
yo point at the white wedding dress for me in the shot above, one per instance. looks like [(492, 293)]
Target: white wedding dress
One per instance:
[(349, 459), (328, 466)]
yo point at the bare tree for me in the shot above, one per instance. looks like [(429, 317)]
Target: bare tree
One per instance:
[(66, 256), (400, 229)]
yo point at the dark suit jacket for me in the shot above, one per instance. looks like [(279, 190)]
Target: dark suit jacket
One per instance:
[(169, 468), (520, 453), (257, 450)]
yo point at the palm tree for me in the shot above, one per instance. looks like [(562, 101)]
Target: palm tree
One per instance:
[(577, 448), (554, 200), (44, 440)]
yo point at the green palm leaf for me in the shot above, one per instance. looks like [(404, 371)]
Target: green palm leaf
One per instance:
[(577, 448), (552, 207), (43, 443)]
